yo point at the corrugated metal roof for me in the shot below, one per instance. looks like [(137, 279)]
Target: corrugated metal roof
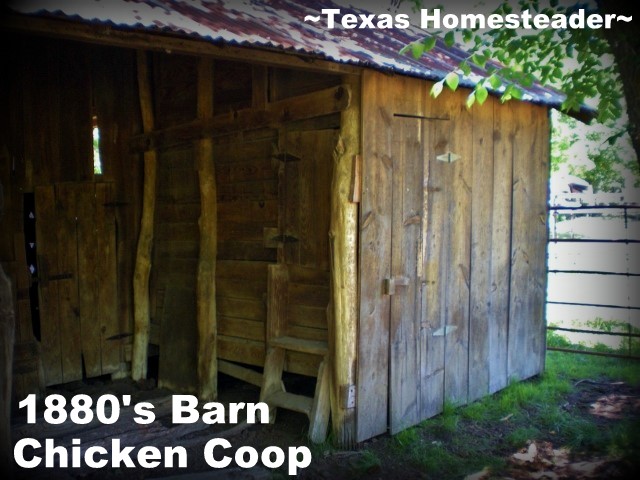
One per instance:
[(279, 25)]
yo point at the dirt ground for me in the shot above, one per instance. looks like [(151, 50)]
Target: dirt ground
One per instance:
[(604, 402)]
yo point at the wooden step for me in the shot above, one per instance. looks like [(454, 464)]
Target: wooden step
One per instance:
[(315, 347), (290, 401)]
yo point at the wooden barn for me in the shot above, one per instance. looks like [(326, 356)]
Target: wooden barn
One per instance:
[(220, 187)]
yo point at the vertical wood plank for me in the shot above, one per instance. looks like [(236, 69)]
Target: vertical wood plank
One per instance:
[(89, 279), (528, 249), (47, 246), (435, 270), (68, 305), (343, 236), (501, 244), (404, 329), (145, 240), (481, 246), (106, 279), (375, 258), (208, 224), (7, 333), (458, 282)]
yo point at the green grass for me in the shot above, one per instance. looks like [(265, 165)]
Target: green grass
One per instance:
[(463, 440)]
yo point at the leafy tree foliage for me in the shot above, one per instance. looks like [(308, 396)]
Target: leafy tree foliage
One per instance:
[(580, 62)]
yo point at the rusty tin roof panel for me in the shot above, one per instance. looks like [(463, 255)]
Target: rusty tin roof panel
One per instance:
[(279, 25)]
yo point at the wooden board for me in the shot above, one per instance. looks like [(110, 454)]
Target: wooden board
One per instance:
[(501, 245), (375, 261), (48, 291), (404, 328), (458, 192), (75, 235), (529, 238), (481, 323)]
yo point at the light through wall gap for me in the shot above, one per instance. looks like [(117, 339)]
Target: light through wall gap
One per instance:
[(97, 162)]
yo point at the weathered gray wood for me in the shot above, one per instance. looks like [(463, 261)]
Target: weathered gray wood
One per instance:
[(375, 258), (528, 249), (458, 192), (501, 245), (480, 321), (404, 329)]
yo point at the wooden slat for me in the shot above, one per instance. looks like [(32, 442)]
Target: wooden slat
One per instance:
[(480, 320), (47, 246), (526, 345), (375, 260), (290, 401), (241, 328), (106, 278), (404, 328), (504, 125), (89, 279), (311, 105), (206, 281), (71, 337), (242, 373), (314, 347), (458, 191), (436, 261)]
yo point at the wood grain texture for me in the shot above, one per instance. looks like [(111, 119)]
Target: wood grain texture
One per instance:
[(142, 269), (206, 281), (343, 234)]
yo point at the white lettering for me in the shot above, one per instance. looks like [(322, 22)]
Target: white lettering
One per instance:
[(184, 404), (331, 16), (18, 453)]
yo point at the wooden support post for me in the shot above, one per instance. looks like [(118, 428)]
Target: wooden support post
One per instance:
[(343, 235), (7, 332), (145, 240), (206, 289)]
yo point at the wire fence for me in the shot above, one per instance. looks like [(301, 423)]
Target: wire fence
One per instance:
[(594, 267)]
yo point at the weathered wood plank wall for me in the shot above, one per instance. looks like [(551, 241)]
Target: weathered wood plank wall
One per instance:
[(467, 311)]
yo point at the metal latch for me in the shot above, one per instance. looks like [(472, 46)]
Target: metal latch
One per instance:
[(390, 284)]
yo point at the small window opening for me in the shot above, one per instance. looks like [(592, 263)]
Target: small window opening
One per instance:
[(97, 162)]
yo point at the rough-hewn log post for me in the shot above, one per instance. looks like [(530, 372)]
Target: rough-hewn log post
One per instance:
[(206, 290), (145, 240), (7, 332), (344, 270)]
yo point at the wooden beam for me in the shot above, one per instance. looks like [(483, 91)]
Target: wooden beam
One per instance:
[(7, 333), (170, 43), (316, 104), (206, 281), (343, 235), (142, 269)]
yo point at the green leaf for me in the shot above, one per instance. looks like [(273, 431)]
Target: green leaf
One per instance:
[(495, 81), (429, 43), (466, 69), (417, 49), (449, 39), (471, 99), (452, 80), (517, 93), (481, 93), (479, 60), (467, 35), (437, 89)]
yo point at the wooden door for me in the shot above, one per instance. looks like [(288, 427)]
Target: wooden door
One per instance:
[(76, 245)]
